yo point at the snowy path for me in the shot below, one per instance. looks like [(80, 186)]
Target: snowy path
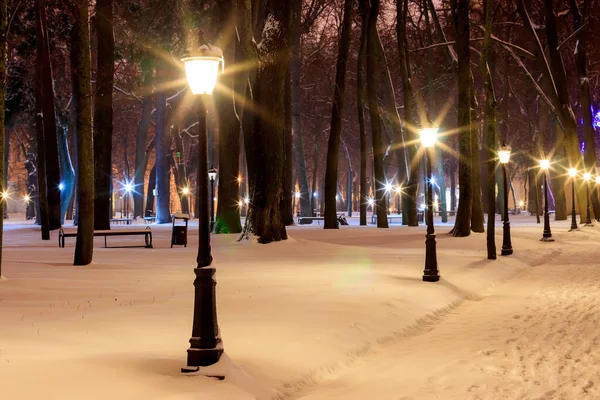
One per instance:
[(533, 337)]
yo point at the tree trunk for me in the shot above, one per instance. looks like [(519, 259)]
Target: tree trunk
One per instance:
[(140, 142), (589, 157), (490, 129), (476, 205), (376, 131), (3, 145), (333, 148), (288, 180), (298, 141), (163, 181), (103, 114), (81, 57), (410, 192), (66, 171), (460, 14), (49, 117), (265, 220), (360, 98), (228, 212), (42, 215)]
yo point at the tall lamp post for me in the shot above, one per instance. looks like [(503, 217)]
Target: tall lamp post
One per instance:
[(388, 191), (573, 175), (504, 155), (128, 189), (547, 236), (431, 273), (588, 215), (202, 68), (212, 176)]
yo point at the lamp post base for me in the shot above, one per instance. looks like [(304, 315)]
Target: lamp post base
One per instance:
[(506, 252), (203, 357), (588, 224), (431, 278), (547, 239), (574, 229), (431, 272)]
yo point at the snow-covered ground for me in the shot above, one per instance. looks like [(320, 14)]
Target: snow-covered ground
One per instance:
[(325, 315)]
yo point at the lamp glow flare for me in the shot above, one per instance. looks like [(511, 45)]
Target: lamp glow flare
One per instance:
[(428, 136), (202, 68)]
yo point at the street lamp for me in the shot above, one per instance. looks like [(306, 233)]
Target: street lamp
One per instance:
[(573, 174), (388, 190), (398, 196), (588, 216), (212, 176), (371, 202), (547, 236), (128, 188), (431, 273), (504, 155), (202, 68)]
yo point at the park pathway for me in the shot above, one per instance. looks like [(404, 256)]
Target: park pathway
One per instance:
[(533, 337)]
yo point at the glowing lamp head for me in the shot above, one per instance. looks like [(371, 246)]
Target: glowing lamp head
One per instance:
[(61, 186), (26, 198), (423, 206), (572, 172), (315, 194), (428, 136), (246, 200), (398, 189), (337, 197), (545, 164), (185, 190), (128, 187), (202, 68), (239, 180), (240, 203), (371, 201), (432, 180), (587, 176), (4, 195), (212, 174), (598, 180), (388, 187), (504, 154), (521, 204), (297, 195)]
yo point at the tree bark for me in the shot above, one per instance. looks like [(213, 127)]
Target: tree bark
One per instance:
[(376, 131), (589, 157), (460, 14), (103, 114), (163, 181), (476, 205), (81, 56), (228, 212), (298, 141), (265, 220), (49, 116), (287, 201), (151, 187), (360, 98), (409, 198), (141, 164), (337, 107)]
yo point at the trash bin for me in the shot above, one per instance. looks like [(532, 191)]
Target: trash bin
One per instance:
[(179, 234)]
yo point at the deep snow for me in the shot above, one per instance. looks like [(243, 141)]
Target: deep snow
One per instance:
[(325, 315)]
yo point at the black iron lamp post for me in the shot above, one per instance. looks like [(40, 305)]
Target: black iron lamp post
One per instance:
[(504, 155), (588, 215), (573, 175), (212, 176), (547, 236), (431, 272), (202, 68)]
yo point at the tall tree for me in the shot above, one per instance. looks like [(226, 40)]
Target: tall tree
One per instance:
[(103, 113), (460, 16), (49, 119), (80, 46), (228, 212), (376, 131), (266, 135), (364, 8), (333, 149), (162, 138), (141, 162)]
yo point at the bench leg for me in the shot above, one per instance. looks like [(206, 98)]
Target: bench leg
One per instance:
[(105, 242), (148, 239)]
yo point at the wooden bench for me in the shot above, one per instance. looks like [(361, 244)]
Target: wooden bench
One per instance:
[(390, 218), (126, 221), (309, 220), (117, 232), (149, 220)]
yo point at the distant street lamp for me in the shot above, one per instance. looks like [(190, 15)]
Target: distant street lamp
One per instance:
[(371, 202), (128, 188), (547, 236), (573, 175), (588, 215), (202, 68), (504, 155), (388, 190), (431, 273), (212, 176), (398, 196)]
